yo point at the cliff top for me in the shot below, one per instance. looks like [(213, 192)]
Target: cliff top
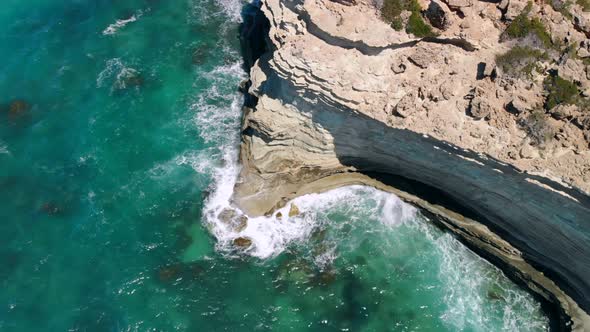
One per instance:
[(508, 79)]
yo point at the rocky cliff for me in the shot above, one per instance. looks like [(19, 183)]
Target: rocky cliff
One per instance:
[(481, 125)]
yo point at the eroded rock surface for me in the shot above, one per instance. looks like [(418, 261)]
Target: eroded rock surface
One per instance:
[(340, 92)]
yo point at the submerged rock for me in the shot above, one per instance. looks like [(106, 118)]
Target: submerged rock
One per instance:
[(177, 271), (51, 208), (128, 78), (18, 106), (169, 273), (326, 277), (496, 293)]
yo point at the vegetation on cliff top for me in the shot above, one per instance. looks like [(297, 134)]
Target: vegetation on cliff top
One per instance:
[(523, 26), (560, 91), (585, 4), (520, 60), (537, 127), (391, 13)]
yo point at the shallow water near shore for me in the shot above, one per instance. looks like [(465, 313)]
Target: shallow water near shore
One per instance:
[(119, 130)]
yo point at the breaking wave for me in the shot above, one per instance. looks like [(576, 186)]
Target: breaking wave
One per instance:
[(114, 28)]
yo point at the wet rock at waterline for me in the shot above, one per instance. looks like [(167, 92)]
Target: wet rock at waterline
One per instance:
[(242, 242), (237, 222), (293, 210)]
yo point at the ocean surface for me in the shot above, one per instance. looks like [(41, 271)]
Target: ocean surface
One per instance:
[(119, 130)]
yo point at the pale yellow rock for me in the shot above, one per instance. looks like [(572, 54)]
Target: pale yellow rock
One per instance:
[(294, 210)]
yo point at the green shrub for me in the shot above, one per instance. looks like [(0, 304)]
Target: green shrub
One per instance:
[(418, 27), (520, 60), (391, 12), (585, 4), (560, 91), (397, 24), (537, 127), (523, 26)]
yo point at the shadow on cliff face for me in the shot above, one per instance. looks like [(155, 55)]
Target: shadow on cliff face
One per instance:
[(551, 230)]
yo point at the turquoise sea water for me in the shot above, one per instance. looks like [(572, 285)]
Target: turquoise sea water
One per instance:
[(119, 124)]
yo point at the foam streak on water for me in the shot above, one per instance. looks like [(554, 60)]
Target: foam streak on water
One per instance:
[(114, 28)]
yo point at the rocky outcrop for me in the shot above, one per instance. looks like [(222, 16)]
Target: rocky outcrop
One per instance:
[(342, 98)]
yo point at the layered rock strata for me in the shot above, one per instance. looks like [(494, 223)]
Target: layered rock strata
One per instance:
[(342, 98)]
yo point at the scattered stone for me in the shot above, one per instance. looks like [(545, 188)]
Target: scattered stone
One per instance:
[(398, 66), (584, 49), (479, 108), (528, 152), (293, 211), (563, 111), (230, 217), (406, 106), (423, 57), (439, 15), (582, 121), (243, 242), (226, 215), (447, 91), (489, 71), (279, 215), (458, 4), (512, 154), (572, 70), (514, 8), (242, 223), (517, 106), (582, 22)]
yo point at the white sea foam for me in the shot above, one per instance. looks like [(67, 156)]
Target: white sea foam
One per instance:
[(4, 148), (232, 8), (114, 28), (116, 73), (112, 66), (271, 235), (467, 280), (470, 300)]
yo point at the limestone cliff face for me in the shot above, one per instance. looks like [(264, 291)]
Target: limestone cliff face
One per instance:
[(344, 99)]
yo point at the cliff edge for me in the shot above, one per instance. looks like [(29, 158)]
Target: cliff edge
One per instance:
[(475, 111)]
